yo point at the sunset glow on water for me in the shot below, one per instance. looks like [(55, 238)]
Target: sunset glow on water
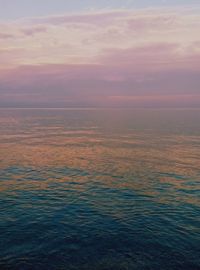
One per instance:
[(99, 189)]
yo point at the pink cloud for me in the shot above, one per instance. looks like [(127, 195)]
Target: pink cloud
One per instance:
[(153, 23), (133, 58), (100, 85), (96, 18), (30, 31), (91, 34), (6, 36)]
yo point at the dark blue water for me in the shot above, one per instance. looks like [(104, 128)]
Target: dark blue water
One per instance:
[(99, 189)]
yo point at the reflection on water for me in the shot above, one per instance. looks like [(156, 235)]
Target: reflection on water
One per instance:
[(99, 189)]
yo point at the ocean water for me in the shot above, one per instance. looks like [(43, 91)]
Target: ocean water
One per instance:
[(103, 189)]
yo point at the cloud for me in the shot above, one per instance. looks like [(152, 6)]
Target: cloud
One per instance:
[(6, 36), (85, 37), (94, 18), (30, 31), (68, 85), (144, 57)]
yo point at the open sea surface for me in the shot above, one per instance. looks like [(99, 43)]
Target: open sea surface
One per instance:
[(99, 189)]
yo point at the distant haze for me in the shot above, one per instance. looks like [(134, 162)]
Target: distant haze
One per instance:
[(99, 53)]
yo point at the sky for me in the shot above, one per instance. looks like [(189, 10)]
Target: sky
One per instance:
[(88, 53)]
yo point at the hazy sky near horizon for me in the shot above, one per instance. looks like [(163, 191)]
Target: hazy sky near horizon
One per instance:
[(100, 53)]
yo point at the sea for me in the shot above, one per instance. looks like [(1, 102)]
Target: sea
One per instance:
[(99, 189)]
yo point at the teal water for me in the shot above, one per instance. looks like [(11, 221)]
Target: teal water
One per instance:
[(99, 189)]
